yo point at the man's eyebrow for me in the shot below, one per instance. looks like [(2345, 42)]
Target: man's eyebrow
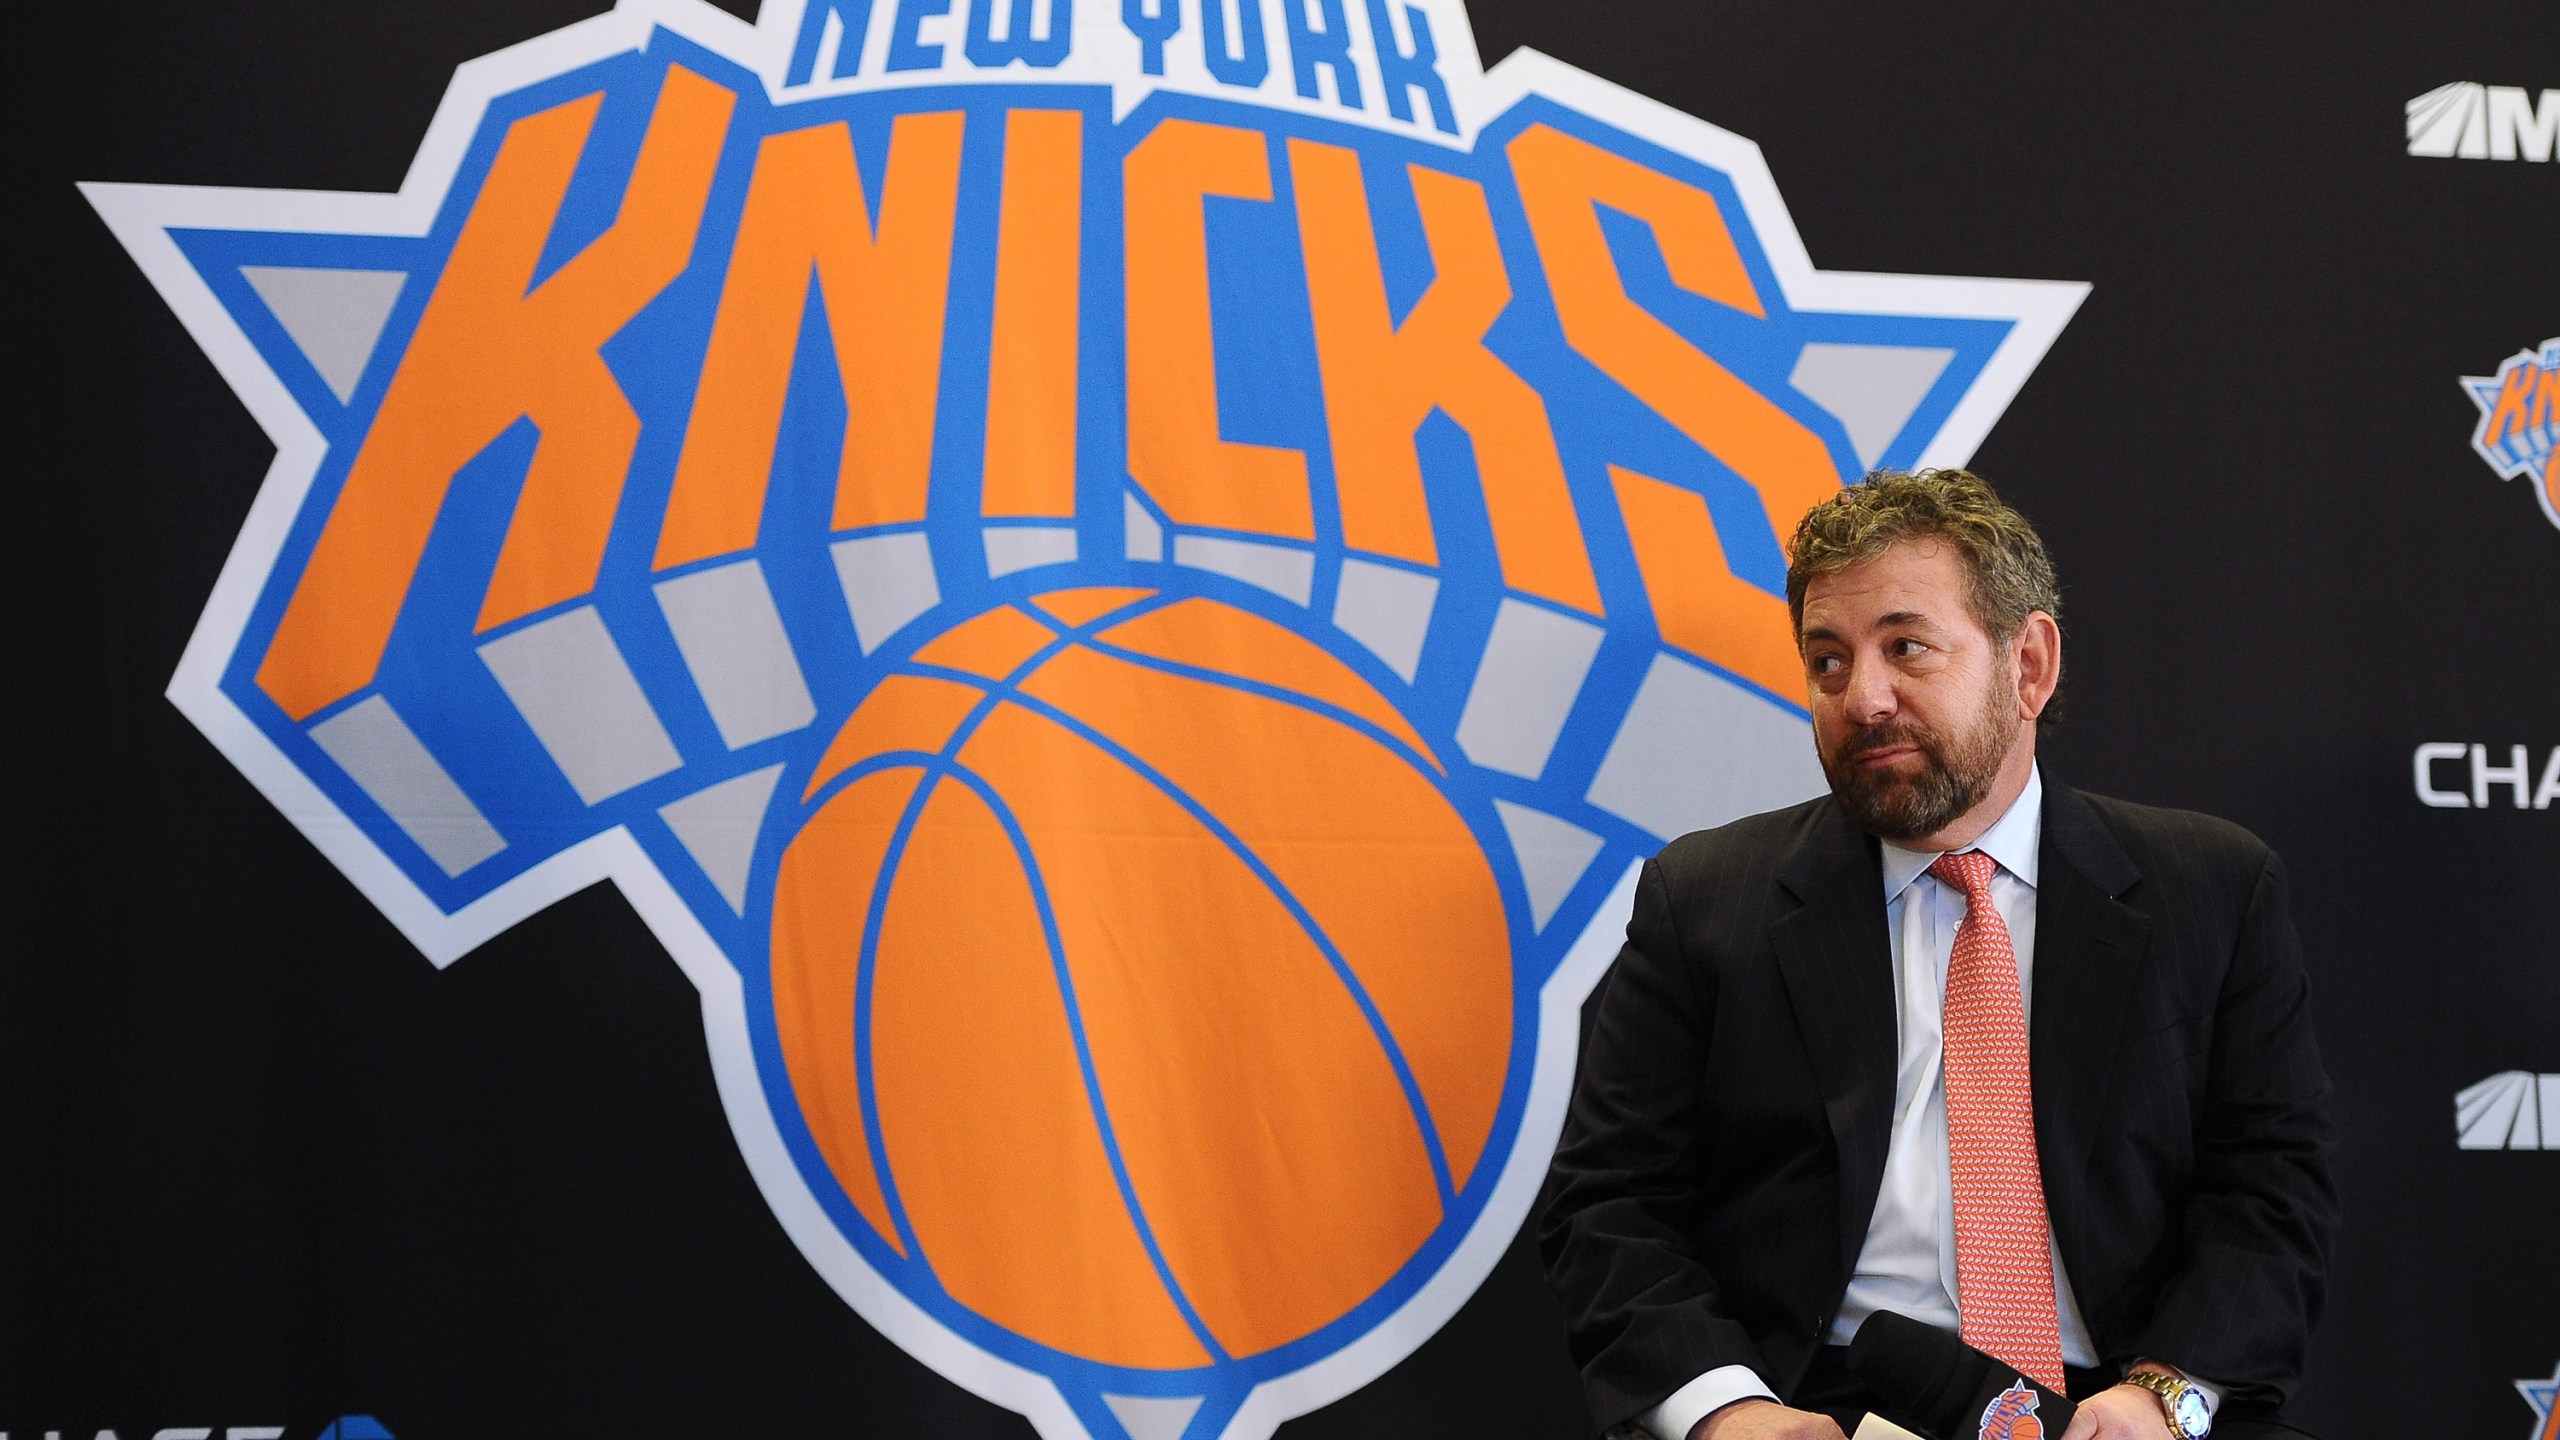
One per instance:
[(1897, 620)]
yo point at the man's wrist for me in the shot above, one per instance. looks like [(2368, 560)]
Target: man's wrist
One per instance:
[(2211, 1392), (1706, 1426), (2154, 1367), (2186, 1407)]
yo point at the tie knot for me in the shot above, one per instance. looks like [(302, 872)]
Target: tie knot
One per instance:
[(1968, 871)]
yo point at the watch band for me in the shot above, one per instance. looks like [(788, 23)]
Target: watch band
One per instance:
[(2173, 1393)]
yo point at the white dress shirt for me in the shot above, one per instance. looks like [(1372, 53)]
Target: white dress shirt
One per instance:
[(1908, 1262)]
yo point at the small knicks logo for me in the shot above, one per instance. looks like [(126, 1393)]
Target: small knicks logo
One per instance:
[(1122, 587), (2544, 1397), (2520, 421), (2011, 1415)]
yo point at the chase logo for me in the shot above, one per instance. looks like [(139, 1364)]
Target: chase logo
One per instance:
[(2520, 420), (1122, 586)]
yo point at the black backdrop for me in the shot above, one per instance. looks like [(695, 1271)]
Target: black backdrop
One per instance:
[(262, 1164)]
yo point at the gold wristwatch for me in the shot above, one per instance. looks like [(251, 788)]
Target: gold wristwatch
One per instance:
[(2189, 1417)]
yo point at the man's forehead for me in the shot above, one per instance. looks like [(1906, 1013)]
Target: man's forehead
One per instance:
[(1911, 580)]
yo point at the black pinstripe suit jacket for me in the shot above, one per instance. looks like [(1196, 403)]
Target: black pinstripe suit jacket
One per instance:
[(1727, 1137)]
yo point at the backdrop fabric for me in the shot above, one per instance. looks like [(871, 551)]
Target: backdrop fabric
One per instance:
[(925, 718)]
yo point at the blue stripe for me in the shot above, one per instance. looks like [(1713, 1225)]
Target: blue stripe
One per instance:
[(865, 967), (1084, 1061), (938, 767), (867, 964), (1297, 910), (1330, 711)]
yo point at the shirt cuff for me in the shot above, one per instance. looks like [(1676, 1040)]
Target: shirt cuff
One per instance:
[(2211, 1392), (1704, 1396)]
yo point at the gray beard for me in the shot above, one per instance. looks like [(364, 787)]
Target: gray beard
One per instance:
[(1907, 809), (1960, 771)]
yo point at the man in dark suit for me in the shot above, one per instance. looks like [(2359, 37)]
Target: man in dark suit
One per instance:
[(1809, 1091)]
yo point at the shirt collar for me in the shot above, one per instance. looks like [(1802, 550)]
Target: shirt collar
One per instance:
[(2012, 841)]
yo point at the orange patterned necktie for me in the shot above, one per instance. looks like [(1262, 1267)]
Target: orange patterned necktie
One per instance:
[(2004, 1258)]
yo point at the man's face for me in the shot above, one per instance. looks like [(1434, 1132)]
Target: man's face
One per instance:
[(1915, 707)]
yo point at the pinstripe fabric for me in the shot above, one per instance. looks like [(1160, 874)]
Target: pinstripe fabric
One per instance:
[(2004, 1257)]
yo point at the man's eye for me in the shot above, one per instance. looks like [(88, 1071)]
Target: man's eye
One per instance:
[(1825, 664), (1907, 647)]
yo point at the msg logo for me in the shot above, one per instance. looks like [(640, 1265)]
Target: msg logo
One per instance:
[(1122, 590)]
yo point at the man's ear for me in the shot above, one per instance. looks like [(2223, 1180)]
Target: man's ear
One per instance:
[(2035, 657)]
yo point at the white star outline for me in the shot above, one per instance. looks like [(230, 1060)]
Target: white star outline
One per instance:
[(2544, 1397)]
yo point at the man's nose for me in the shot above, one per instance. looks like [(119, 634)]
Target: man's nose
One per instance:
[(1870, 693)]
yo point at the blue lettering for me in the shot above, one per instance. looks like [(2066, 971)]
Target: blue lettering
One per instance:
[(1329, 47), (1243, 71), (854, 19), (1398, 70), (906, 52), (989, 53), (1153, 28)]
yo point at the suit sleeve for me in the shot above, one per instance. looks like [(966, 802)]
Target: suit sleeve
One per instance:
[(2260, 1223), (1640, 1303)]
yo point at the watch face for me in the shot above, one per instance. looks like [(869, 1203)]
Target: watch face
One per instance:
[(2194, 1420)]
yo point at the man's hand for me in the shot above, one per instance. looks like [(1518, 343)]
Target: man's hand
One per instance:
[(2127, 1412), (1764, 1420)]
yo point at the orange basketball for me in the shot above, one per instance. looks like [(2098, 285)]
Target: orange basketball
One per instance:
[(1189, 1001)]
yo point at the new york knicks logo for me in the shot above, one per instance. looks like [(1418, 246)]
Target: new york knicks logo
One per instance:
[(2519, 423), (1122, 585), (2011, 1415)]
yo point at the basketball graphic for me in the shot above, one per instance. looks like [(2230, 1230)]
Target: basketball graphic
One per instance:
[(1126, 617), (1107, 1110)]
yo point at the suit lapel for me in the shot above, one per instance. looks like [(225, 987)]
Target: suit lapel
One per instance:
[(2089, 949), (1837, 962)]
